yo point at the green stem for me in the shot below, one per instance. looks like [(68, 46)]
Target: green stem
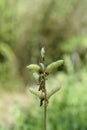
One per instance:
[(45, 111)]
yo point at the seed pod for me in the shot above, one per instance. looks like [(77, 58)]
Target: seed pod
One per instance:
[(43, 52), (53, 66), (34, 67)]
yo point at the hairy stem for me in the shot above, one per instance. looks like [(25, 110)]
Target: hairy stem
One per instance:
[(45, 110)]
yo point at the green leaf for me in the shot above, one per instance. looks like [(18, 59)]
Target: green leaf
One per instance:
[(53, 91), (54, 66), (36, 93)]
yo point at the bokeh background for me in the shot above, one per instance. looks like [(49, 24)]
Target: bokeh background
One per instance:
[(25, 27)]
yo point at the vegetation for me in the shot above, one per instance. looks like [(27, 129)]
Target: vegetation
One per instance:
[(67, 109)]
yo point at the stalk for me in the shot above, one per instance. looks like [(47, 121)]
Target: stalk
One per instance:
[(45, 110), (45, 100)]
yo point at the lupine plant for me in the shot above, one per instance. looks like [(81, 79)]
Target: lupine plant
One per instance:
[(41, 73)]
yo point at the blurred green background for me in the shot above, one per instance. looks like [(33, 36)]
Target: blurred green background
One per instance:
[(25, 27)]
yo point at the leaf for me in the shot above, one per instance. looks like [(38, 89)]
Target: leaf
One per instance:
[(53, 91), (54, 66), (34, 92), (34, 67)]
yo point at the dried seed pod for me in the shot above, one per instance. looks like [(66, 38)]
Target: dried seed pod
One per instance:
[(42, 97), (34, 67), (53, 66)]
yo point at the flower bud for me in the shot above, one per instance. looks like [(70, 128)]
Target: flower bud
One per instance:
[(42, 52), (42, 66)]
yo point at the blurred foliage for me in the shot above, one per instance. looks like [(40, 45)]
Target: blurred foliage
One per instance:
[(9, 76), (26, 26)]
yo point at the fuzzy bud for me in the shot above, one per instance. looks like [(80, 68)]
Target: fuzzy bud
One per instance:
[(54, 66), (42, 52), (42, 66), (34, 67)]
